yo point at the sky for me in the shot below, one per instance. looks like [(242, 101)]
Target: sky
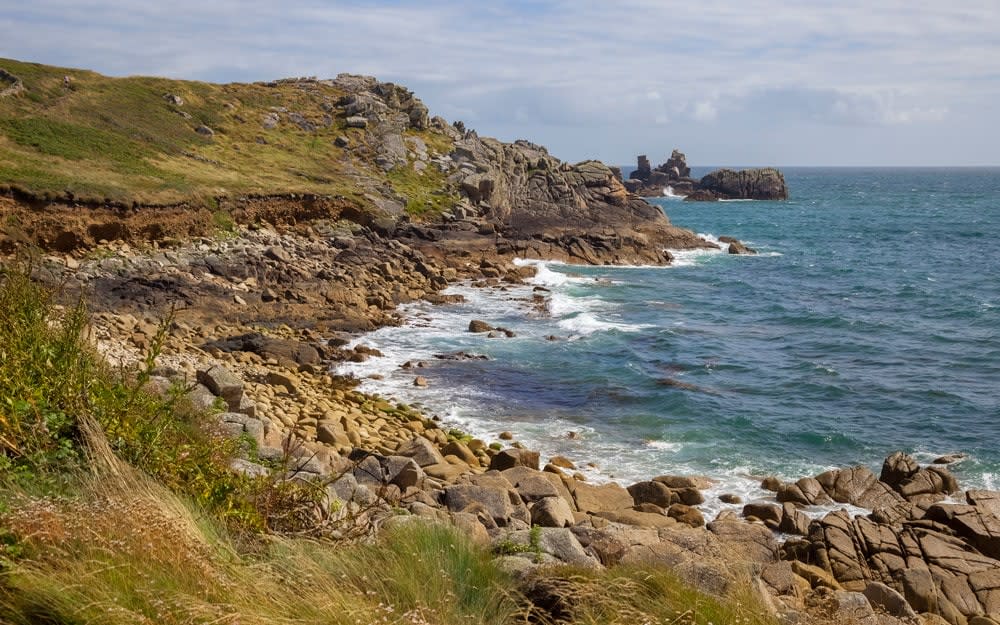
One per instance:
[(729, 82)]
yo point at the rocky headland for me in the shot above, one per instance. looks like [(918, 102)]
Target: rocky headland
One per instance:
[(264, 292), (722, 184)]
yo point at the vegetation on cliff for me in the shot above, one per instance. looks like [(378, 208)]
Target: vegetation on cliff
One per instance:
[(348, 147)]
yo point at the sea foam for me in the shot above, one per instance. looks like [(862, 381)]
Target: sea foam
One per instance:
[(687, 258)]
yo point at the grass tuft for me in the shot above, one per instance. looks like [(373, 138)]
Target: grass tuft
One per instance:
[(53, 384), (637, 595), (128, 551)]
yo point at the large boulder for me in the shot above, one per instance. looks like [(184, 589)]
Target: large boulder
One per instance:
[(767, 513), (653, 492), (551, 512), (988, 501), (897, 467), (514, 457), (223, 383), (602, 498), (560, 543), (422, 451), (928, 481), (806, 491), (689, 515), (501, 504), (977, 526)]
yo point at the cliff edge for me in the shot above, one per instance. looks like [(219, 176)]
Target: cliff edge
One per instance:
[(83, 155)]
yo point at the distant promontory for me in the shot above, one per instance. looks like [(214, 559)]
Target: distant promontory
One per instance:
[(674, 177)]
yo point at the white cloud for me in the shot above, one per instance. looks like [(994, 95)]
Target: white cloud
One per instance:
[(705, 111), (561, 63)]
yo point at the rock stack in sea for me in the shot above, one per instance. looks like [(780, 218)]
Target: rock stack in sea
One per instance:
[(746, 184), (722, 184), (674, 173)]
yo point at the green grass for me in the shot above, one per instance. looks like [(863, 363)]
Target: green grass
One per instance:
[(53, 384), (426, 192), (127, 551), (644, 594), (119, 139)]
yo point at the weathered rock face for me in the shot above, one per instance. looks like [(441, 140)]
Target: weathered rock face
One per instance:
[(642, 169), (539, 203), (9, 84), (676, 166), (942, 558), (385, 110), (746, 184)]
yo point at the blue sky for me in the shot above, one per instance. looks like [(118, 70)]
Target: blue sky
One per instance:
[(752, 82)]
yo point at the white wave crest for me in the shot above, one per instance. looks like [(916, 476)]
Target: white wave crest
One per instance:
[(587, 323), (562, 305), (668, 192), (687, 258), (664, 445), (543, 275)]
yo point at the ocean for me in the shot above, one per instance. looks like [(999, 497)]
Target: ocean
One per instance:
[(868, 322)]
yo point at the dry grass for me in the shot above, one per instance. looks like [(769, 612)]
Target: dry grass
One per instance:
[(637, 595), (128, 551)]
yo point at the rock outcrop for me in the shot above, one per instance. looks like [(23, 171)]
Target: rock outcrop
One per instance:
[(537, 206), (674, 173), (941, 558), (674, 177), (746, 184), (385, 110), (11, 84)]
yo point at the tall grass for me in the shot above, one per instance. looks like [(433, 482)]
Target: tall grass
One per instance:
[(52, 379), (638, 595), (128, 551), (44, 377)]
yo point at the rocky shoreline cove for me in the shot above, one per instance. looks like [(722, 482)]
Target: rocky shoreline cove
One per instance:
[(927, 551), (257, 316)]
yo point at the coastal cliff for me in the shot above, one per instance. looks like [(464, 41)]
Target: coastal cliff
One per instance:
[(274, 231), (349, 147)]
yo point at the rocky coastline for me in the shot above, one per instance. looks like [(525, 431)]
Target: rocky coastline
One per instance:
[(253, 318), (250, 335)]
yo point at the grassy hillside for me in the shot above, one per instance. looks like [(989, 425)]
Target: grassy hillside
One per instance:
[(122, 139)]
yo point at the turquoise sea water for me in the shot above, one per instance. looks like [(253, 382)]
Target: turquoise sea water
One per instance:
[(869, 322)]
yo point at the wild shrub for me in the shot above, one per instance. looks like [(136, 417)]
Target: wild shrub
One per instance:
[(51, 378)]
